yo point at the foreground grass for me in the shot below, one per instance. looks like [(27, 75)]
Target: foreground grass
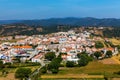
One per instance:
[(73, 79), (73, 76), (94, 69)]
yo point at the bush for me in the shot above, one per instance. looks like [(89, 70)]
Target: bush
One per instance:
[(22, 73), (50, 56), (117, 72), (54, 71), (109, 53), (43, 69), (34, 64), (97, 54), (83, 60), (99, 44), (11, 66), (70, 64)]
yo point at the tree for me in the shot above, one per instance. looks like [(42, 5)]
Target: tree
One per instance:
[(1, 65), (85, 55), (82, 53), (97, 54), (43, 69), (99, 44), (50, 56), (22, 73), (84, 59), (83, 62), (109, 53), (53, 66), (70, 64)]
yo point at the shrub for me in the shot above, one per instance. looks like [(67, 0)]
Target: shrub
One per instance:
[(99, 44), (54, 71), (97, 54), (50, 56), (22, 73), (70, 64), (43, 69)]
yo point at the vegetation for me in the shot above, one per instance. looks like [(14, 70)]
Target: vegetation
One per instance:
[(54, 65), (43, 69), (70, 64), (50, 55), (118, 72), (97, 54), (1, 65), (93, 68), (109, 53), (22, 73), (114, 32), (84, 59), (99, 44)]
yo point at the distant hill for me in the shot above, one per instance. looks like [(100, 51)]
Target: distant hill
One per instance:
[(88, 21), (9, 21), (19, 29)]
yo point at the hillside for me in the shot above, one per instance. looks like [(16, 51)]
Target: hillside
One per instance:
[(31, 27), (19, 29), (88, 21)]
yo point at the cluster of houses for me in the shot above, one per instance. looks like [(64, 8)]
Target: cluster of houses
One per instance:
[(35, 47)]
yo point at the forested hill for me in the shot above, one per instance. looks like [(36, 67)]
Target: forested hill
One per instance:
[(88, 21)]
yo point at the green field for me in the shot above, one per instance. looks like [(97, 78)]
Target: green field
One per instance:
[(95, 69)]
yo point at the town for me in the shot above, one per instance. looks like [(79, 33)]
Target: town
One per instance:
[(74, 49)]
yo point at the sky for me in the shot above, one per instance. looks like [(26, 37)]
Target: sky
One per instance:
[(43, 9)]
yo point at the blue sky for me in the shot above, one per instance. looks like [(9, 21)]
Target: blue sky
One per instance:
[(42, 9)]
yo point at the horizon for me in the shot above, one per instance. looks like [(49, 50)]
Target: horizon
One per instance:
[(46, 9), (55, 18)]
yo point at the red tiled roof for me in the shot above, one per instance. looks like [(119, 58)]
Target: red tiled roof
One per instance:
[(22, 46)]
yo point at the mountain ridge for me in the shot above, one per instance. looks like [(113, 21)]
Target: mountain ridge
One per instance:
[(72, 21)]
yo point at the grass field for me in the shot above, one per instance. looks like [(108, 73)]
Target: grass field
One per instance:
[(115, 41), (74, 79), (94, 68), (116, 58), (73, 76)]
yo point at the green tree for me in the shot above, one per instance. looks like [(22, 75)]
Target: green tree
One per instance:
[(82, 53), (99, 44), (70, 64), (50, 56), (83, 61), (43, 69), (22, 73), (54, 64), (109, 53), (54, 71), (1, 65), (97, 54)]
